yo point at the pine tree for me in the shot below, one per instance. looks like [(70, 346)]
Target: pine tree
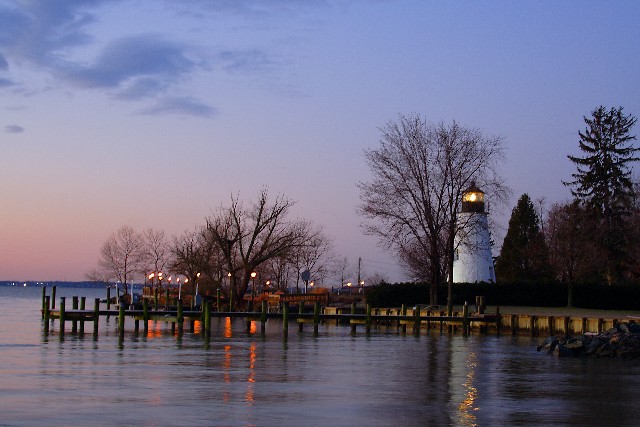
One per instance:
[(524, 255), (603, 179)]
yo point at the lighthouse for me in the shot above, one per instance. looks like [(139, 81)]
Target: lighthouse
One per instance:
[(473, 261)]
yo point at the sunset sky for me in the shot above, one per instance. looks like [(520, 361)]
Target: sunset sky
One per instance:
[(152, 113)]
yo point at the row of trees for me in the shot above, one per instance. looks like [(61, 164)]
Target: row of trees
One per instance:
[(232, 244), (412, 202), (420, 170), (595, 237)]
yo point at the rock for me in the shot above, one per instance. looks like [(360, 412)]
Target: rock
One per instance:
[(574, 343), (549, 343), (619, 342)]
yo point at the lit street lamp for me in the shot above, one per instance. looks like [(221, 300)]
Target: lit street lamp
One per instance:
[(253, 287)]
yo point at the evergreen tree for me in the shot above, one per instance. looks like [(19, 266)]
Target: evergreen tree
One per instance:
[(603, 180), (524, 255)]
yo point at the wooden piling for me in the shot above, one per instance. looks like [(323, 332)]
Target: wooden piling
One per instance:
[(63, 307), (96, 316), (74, 323), (353, 311), (465, 319), (45, 314), (300, 311), (285, 317), (166, 300), (121, 319), (218, 297), (368, 320), (83, 305), (108, 298), (53, 297), (532, 325), (403, 309), (316, 318), (156, 299), (263, 318), (145, 315), (44, 297), (180, 315), (207, 319), (416, 320)]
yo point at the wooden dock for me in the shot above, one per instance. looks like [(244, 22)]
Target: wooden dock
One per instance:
[(416, 318)]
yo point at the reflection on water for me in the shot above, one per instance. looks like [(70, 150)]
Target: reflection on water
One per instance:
[(467, 408), (240, 378)]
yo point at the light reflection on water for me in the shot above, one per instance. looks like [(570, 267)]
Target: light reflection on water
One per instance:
[(160, 378)]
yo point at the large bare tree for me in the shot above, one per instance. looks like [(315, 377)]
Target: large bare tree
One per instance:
[(122, 255), (248, 237), (419, 173)]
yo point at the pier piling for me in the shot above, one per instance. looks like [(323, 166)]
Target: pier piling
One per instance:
[(45, 314), (62, 314)]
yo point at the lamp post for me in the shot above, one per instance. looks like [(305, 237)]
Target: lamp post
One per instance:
[(230, 291), (253, 287)]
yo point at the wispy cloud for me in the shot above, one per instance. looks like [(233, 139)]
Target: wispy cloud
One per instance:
[(181, 105), (246, 61), (140, 67), (131, 58), (51, 35), (13, 129)]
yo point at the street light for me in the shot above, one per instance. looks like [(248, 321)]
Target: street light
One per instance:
[(253, 286)]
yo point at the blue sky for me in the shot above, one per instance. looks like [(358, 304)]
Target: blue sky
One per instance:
[(152, 113)]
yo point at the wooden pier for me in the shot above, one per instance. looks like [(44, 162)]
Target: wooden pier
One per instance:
[(416, 318)]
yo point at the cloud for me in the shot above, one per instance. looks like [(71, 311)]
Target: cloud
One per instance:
[(133, 57), (56, 37), (181, 105), (142, 88), (243, 61), (13, 129)]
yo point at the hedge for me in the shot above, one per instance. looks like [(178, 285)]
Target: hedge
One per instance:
[(548, 294)]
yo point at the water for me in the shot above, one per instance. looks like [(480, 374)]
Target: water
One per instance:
[(241, 379)]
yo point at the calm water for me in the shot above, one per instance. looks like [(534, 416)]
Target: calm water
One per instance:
[(243, 379)]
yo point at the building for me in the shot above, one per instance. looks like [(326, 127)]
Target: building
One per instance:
[(473, 261)]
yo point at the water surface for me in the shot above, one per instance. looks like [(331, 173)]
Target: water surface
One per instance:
[(243, 379)]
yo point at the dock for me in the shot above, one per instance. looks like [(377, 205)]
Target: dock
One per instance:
[(415, 319)]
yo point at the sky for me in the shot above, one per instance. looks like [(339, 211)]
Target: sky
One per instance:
[(153, 113)]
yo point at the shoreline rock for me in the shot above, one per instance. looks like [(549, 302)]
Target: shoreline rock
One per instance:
[(622, 341)]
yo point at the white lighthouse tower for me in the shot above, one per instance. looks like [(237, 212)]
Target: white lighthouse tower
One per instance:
[(473, 261)]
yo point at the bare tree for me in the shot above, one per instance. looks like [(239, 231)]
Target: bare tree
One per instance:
[(574, 252), (157, 252), (248, 238), (196, 252), (419, 174), (122, 255), (315, 255)]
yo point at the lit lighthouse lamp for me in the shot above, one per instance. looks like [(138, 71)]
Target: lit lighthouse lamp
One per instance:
[(473, 199), (473, 259)]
